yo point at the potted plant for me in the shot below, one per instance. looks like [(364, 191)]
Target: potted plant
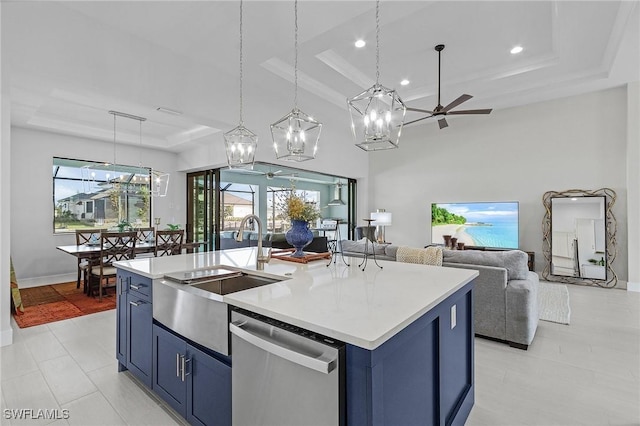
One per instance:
[(123, 225)]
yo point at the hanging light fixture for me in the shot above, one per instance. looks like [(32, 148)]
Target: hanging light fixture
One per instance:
[(159, 182), (295, 136), (240, 143), (377, 114)]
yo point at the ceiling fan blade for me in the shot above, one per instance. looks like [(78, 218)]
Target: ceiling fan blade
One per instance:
[(461, 99), (419, 110), (419, 119), (471, 111), (443, 123)]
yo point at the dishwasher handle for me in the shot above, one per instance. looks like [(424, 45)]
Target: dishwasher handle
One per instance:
[(316, 364)]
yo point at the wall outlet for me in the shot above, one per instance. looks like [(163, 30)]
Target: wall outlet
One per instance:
[(453, 316)]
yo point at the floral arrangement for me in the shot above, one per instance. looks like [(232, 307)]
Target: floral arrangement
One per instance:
[(295, 207)]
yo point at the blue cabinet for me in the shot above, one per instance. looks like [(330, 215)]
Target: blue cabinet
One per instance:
[(134, 325), (421, 376), (193, 382)]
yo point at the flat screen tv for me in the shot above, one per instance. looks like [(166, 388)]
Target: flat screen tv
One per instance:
[(491, 225)]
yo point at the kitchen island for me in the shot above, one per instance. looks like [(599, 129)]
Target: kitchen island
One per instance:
[(408, 329)]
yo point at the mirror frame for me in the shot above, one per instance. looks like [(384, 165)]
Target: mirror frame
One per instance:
[(610, 236)]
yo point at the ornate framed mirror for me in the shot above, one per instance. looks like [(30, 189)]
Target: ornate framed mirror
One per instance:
[(579, 237)]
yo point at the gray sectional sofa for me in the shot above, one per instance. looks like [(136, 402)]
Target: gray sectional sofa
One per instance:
[(505, 292)]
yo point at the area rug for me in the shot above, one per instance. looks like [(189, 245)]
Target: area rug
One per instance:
[(553, 303), (57, 302)]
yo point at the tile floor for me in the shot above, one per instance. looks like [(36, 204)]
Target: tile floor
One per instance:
[(587, 373)]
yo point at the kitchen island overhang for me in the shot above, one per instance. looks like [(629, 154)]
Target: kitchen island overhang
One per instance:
[(408, 328)]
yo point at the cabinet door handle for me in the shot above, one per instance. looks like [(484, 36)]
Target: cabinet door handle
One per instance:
[(183, 366), (177, 365), (135, 287), (138, 303)]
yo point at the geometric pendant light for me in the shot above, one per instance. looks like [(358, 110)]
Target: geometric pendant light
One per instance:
[(377, 114), (240, 142), (159, 183), (295, 136)]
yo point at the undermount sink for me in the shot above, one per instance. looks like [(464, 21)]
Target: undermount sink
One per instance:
[(231, 285)]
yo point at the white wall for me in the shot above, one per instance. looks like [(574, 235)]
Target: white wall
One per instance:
[(513, 154), (33, 244)]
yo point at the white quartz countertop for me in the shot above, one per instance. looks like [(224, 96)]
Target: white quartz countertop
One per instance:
[(363, 308)]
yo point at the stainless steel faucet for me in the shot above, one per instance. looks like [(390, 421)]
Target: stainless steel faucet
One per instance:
[(261, 259)]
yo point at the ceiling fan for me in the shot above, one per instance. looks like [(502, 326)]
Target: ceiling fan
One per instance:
[(268, 174), (439, 110)]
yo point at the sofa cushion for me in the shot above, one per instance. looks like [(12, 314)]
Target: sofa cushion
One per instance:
[(359, 246), (391, 250), (514, 261)]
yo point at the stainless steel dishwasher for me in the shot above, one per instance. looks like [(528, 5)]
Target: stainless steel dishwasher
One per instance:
[(284, 375)]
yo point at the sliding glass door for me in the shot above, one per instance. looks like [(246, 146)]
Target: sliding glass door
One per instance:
[(203, 217)]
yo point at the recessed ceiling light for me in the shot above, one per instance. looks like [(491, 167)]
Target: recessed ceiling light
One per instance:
[(360, 43), (516, 50), (404, 82)]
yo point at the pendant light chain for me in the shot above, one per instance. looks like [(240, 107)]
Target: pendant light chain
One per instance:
[(295, 61), (241, 75), (377, 42)]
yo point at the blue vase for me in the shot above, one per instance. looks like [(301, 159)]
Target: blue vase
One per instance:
[(299, 236)]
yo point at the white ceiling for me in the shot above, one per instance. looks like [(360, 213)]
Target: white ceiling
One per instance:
[(69, 63)]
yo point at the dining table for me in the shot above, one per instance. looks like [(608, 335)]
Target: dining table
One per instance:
[(92, 251)]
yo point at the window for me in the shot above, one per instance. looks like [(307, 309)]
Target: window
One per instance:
[(237, 201), (89, 194), (276, 221)]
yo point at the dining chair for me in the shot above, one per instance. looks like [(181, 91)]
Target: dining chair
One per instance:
[(86, 236), (169, 243), (114, 246), (145, 236)]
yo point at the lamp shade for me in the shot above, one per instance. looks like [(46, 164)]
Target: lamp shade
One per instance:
[(381, 218)]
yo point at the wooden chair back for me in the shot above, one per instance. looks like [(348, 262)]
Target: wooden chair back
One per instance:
[(169, 242), (116, 246), (144, 235), (86, 236)]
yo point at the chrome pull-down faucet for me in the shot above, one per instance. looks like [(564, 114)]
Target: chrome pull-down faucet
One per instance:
[(261, 259)]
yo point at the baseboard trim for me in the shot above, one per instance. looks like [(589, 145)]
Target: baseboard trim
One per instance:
[(51, 279), (632, 286), (6, 337)]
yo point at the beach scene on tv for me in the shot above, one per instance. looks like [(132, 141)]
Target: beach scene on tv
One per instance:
[(476, 224)]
